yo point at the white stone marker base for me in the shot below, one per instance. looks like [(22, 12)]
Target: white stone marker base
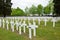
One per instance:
[(53, 24), (39, 21), (17, 25), (12, 28), (3, 23), (0, 23), (45, 23), (30, 34), (19, 30), (24, 29), (34, 32)]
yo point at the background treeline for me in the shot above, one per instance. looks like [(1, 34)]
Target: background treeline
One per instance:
[(33, 10)]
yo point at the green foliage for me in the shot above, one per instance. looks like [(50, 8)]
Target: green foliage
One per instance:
[(17, 12), (26, 10), (33, 10), (47, 10), (40, 9), (5, 7)]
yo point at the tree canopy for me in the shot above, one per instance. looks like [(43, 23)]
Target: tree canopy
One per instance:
[(17, 12)]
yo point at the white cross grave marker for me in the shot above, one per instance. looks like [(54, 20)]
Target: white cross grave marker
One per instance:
[(12, 25), (53, 22), (7, 24), (17, 24), (30, 34), (45, 21), (24, 25), (3, 23), (39, 21), (32, 26), (0, 23), (19, 27)]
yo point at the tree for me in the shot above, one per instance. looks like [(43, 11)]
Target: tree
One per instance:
[(51, 4), (17, 12), (5, 7), (49, 8), (40, 9), (33, 10), (57, 7), (27, 11), (1, 7)]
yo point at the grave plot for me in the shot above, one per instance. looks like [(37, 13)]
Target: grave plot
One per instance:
[(7, 24), (23, 24), (0, 23), (45, 20), (54, 21), (31, 25), (12, 25)]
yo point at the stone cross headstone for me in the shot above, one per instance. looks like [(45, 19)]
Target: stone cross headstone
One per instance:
[(39, 21), (20, 27), (30, 34), (53, 22), (24, 25), (19, 30), (0, 23), (12, 25), (7, 23), (3, 23), (17, 24), (45, 21), (32, 26)]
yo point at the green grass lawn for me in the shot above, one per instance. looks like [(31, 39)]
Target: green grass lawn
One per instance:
[(43, 33)]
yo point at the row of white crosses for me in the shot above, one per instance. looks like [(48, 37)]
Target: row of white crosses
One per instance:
[(30, 27), (20, 24), (45, 21)]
